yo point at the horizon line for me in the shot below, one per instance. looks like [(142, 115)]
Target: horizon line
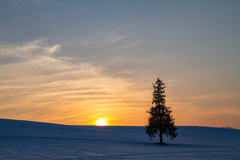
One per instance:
[(107, 125)]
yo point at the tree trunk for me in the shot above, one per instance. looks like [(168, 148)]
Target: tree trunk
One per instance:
[(161, 138)]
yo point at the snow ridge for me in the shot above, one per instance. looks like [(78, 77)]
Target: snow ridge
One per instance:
[(24, 140)]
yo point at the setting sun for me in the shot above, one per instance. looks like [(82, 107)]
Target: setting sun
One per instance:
[(101, 122)]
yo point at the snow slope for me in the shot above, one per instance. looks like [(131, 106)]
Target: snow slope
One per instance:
[(23, 140)]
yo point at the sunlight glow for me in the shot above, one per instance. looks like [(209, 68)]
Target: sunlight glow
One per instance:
[(101, 122)]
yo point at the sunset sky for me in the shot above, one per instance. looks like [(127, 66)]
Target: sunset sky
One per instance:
[(73, 62)]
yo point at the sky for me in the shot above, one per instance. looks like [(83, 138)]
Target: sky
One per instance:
[(73, 62)]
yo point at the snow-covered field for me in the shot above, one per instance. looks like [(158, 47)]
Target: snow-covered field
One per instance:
[(22, 140)]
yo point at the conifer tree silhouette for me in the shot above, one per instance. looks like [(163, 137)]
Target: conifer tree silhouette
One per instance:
[(160, 120)]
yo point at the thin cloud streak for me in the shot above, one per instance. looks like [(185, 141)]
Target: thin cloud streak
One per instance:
[(119, 38), (131, 44), (113, 36)]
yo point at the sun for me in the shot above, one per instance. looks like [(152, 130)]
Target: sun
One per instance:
[(101, 122)]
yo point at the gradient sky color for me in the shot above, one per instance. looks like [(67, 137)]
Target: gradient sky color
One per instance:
[(73, 62)]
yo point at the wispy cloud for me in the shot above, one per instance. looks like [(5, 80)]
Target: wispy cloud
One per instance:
[(131, 44), (10, 53), (113, 36), (119, 37), (100, 39)]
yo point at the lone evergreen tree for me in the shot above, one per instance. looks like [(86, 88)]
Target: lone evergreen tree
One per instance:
[(160, 120)]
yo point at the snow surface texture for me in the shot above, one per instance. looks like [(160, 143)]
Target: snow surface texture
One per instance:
[(23, 140)]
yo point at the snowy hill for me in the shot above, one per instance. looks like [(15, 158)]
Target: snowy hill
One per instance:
[(23, 140)]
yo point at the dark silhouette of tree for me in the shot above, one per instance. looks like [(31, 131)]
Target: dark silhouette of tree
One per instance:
[(160, 120)]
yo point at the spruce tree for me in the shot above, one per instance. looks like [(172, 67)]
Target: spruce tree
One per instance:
[(160, 120)]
